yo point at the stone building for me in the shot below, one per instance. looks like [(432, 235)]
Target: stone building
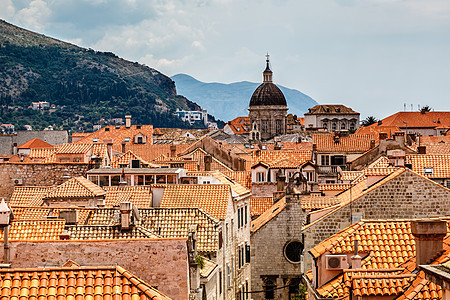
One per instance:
[(268, 109), (334, 117)]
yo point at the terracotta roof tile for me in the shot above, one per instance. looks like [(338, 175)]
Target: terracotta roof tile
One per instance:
[(244, 178), (149, 152), (141, 196), (415, 119), (35, 143), (77, 187), (28, 195), (269, 214), (439, 164), (331, 109), (107, 232), (351, 143), (258, 205), (213, 198), (375, 131), (75, 282), (350, 175), (208, 268), (435, 149), (314, 203), (33, 230), (73, 148), (237, 188), (36, 153), (123, 161), (118, 134), (296, 157)]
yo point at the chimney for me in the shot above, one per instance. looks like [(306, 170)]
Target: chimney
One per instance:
[(109, 144), (65, 235), (123, 146), (128, 121), (125, 214), (429, 237), (356, 259), (314, 147), (372, 144), (281, 184), (173, 150), (15, 148), (422, 150), (208, 161), (382, 136), (399, 136), (70, 216)]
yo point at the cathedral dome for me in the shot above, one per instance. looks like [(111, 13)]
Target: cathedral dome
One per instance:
[(267, 94)]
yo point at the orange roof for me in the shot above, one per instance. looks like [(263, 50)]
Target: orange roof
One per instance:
[(77, 187), (258, 205), (35, 143), (416, 119), (435, 139), (240, 125), (74, 282), (118, 134), (139, 195), (269, 214), (237, 188), (212, 198), (330, 109), (33, 230), (124, 161), (376, 130), (149, 152), (435, 149), (41, 152), (421, 288), (244, 178), (296, 157), (438, 166), (350, 143), (73, 148), (334, 186), (314, 203), (28, 195)]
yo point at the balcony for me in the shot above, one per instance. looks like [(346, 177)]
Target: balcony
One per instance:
[(330, 170)]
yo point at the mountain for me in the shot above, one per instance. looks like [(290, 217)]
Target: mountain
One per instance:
[(228, 101), (87, 87)]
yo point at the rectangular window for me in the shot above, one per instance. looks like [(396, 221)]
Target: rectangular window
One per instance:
[(278, 126), (239, 260), (245, 214), (265, 126), (247, 253), (325, 160), (220, 282), (260, 177), (228, 276)]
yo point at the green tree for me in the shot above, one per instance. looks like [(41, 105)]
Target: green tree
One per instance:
[(369, 121)]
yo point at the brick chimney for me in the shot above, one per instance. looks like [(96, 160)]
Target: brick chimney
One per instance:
[(422, 150), (356, 259), (127, 121), (123, 146), (429, 236), (109, 144), (125, 215), (281, 184), (15, 148), (173, 150)]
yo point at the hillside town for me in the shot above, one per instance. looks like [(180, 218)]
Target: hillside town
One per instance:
[(272, 206)]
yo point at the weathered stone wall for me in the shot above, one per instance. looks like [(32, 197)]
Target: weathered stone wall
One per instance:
[(267, 250), (265, 189), (35, 174), (405, 197), (54, 137), (161, 262)]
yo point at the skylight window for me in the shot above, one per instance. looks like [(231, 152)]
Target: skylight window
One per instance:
[(428, 171), (127, 139), (95, 140)]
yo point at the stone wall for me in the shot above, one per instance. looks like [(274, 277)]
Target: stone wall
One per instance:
[(161, 262), (54, 137), (267, 250), (264, 189), (36, 174), (406, 196)]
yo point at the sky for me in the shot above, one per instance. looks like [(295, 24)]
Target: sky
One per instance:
[(374, 56)]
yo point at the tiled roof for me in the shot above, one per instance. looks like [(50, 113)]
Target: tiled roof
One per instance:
[(350, 175), (208, 268), (331, 109), (139, 195), (244, 178), (258, 205), (297, 157), (199, 154), (178, 135), (415, 119), (77, 187), (107, 232), (334, 186), (35, 143), (212, 198), (73, 148), (350, 143), (435, 149), (30, 213), (34, 230), (440, 139), (75, 283), (175, 222), (149, 152), (375, 131), (235, 186), (381, 162), (379, 171), (240, 125), (28, 195), (440, 165), (314, 203), (118, 134), (41, 152), (269, 214), (423, 289), (124, 160)]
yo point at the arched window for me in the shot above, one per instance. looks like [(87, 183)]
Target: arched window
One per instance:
[(342, 126), (333, 127), (352, 126)]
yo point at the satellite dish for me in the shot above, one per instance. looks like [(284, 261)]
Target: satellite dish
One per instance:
[(136, 213)]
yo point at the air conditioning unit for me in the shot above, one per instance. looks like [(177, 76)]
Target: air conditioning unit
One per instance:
[(336, 262), (18, 181)]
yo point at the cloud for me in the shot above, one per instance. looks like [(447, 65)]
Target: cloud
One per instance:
[(7, 9), (35, 15)]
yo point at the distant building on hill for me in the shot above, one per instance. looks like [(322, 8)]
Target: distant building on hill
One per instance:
[(193, 116)]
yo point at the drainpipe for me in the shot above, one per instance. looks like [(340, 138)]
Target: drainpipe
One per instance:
[(6, 245)]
